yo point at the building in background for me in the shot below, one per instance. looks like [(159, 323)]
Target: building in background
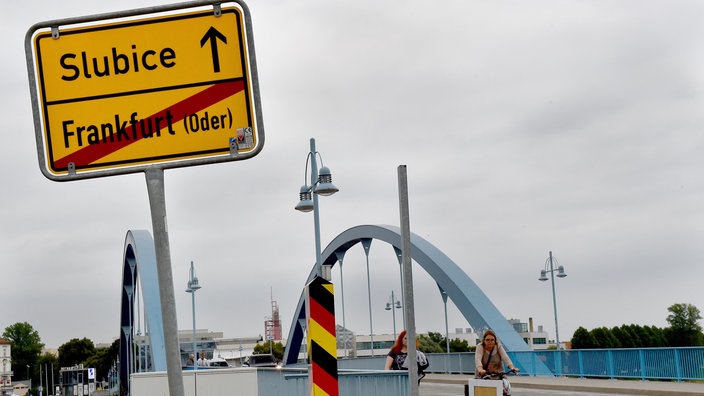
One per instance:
[(272, 324), (6, 373), (351, 344), (536, 340)]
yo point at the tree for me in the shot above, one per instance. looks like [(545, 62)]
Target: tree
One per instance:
[(429, 345), (605, 338), (75, 351), (641, 336), (103, 360), (437, 343), (26, 348), (459, 345), (630, 336), (658, 337), (684, 325), (436, 337), (583, 339), (277, 349), (48, 362), (623, 336)]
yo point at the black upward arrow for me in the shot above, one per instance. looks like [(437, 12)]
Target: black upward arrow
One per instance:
[(212, 35)]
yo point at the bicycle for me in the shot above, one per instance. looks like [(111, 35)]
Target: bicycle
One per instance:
[(501, 376)]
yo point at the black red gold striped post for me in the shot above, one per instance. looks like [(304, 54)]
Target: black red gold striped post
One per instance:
[(322, 341)]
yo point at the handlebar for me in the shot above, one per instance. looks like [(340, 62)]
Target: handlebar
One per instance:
[(499, 374)]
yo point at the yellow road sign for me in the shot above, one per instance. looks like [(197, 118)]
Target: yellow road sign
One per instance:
[(120, 92)]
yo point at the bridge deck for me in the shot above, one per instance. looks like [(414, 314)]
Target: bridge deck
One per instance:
[(626, 387)]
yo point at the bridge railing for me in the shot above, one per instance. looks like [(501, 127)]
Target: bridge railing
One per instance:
[(270, 381), (363, 376), (679, 364), (294, 382)]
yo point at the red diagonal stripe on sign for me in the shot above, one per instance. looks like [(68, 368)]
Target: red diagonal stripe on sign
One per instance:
[(197, 102), (324, 381), (322, 316)]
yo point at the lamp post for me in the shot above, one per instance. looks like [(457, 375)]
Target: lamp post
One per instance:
[(366, 244), (320, 184), (193, 285), (443, 294), (392, 306), (543, 277)]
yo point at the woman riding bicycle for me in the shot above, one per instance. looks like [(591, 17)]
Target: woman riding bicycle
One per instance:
[(491, 356)]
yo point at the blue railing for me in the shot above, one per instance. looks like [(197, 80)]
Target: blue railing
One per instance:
[(643, 363), (679, 364), (294, 382)]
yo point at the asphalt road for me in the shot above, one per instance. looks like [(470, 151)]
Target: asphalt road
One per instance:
[(440, 389)]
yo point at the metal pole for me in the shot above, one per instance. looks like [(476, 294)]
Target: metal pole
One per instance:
[(399, 257), (366, 244), (195, 351), (316, 214), (340, 256), (554, 302), (157, 204), (393, 312), (444, 302), (408, 280), (130, 337), (139, 328)]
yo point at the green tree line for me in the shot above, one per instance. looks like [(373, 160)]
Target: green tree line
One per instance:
[(684, 331), (27, 353)]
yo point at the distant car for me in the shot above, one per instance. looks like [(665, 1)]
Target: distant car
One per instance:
[(218, 363), (264, 360)]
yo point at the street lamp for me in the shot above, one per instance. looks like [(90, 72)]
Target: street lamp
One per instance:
[(193, 285), (392, 306), (543, 277), (443, 294), (320, 184)]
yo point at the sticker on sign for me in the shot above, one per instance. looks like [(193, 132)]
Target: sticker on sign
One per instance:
[(168, 86)]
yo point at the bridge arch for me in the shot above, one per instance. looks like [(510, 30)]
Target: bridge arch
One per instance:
[(139, 278), (474, 305)]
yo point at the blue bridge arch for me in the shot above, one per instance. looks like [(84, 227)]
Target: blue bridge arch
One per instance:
[(474, 305), (139, 274)]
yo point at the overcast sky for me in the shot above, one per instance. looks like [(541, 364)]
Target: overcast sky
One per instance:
[(526, 127)]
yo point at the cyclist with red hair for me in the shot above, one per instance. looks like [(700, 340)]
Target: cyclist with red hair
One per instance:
[(396, 358)]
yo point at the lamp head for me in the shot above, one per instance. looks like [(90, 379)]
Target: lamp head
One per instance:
[(306, 203), (398, 304), (388, 307), (543, 275), (194, 285), (324, 185), (561, 272)]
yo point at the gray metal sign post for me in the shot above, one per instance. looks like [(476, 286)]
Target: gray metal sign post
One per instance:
[(157, 204), (408, 306)]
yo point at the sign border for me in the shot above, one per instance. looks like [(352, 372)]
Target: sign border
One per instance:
[(167, 164)]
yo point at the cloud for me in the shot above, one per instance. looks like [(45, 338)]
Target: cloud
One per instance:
[(564, 126)]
